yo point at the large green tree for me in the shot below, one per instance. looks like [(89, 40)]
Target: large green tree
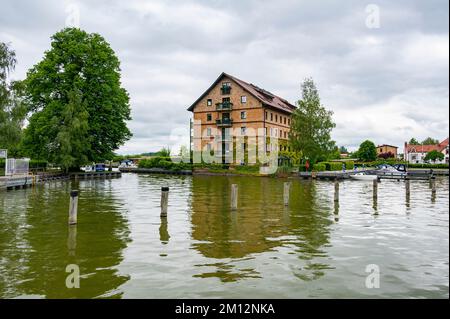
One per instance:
[(413, 141), (311, 125), (367, 151), (12, 109), (76, 87), (433, 156), (430, 141)]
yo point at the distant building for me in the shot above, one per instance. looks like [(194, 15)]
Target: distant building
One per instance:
[(385, 148), (416, 153)]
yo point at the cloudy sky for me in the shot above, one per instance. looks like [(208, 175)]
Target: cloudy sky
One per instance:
[(381, 66)]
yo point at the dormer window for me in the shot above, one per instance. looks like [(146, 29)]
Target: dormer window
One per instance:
[(226, 88)]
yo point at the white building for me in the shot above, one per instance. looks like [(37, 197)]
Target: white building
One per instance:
[(415, 154)]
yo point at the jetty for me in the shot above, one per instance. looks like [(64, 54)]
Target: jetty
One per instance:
[(28, 180)]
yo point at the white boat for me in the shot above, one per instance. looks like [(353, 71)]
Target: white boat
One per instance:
[(363, 177)]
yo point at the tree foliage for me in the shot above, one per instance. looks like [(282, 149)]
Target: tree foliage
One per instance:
[(430, 141), (413, 141), (12, 108), (367, 151), (77, 98), (311, 125), (433, 156)]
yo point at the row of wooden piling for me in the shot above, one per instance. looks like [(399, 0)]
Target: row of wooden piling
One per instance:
[(234, 197)]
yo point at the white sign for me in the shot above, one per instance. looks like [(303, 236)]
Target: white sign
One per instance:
[(3, 153)]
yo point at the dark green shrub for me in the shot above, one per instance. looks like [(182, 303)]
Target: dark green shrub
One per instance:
[(320, 167)]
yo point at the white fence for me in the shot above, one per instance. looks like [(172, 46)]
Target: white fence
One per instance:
[(17, 166)]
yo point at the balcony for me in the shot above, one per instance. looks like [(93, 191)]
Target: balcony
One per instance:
[(224, 122), (223, 138), (224, 106), (225, 90)]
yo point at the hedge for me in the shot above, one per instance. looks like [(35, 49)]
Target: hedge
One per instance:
[(320, 167), (164, 163)]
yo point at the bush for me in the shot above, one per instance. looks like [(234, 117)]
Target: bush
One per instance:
[(349, 165), (163, 163), (320, 167), (247, 169)]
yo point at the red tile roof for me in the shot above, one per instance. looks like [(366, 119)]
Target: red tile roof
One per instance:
[(411, 148), (267, 98)]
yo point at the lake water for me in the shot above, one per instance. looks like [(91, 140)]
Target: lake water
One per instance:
[(312, 248)]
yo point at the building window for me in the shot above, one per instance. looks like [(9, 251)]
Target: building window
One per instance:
[(226, 84), (243, 99), (265, 116), (208, 147), (243, 115), (285, 121), (276, 118), (243, 146), (208, 131), (243, 130), (285, 134), (208, 102), (271, 116), (289, 121), (208, 117)]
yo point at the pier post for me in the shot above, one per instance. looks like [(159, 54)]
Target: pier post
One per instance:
[(73, 208), (234, 196), (336, 190), (164, 201), (433, 185), (375, 189), (287, 186), (408, 187)]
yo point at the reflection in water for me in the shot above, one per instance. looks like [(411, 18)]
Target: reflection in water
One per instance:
[(72, 240), (45, 244), (260, 224), (336, 211), (163, 232)]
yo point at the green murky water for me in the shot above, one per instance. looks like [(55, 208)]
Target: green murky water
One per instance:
[(312, 248)]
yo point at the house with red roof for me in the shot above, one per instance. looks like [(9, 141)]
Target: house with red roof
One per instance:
[(416, 153), (231, 107)]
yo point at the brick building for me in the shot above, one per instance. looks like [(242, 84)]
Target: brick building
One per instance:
[(231, 110)]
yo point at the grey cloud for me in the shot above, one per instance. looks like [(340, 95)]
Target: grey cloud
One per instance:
[(386, 84)]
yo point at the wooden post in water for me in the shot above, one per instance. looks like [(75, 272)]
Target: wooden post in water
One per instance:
[(407, 186), (375, 189), (234, 196), (287, 186), (336, 190), (164, 201), (73, 208), (433, 185)]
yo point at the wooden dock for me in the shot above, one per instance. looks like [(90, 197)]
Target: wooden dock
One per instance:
[(155, 171), (24, 181), (16, 182), (93, 175), (410, 175)]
